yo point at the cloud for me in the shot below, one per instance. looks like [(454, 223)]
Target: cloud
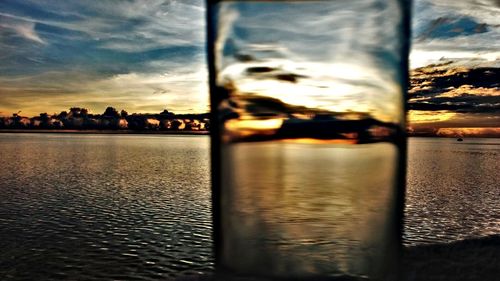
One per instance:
[(459, 30), (445, 27), (465, 132), (464, 106), (144, 55), (104, 32), (335, 24), (20, 28), (28, 31), (463, 103), (224, 24), (321, 55), (470, 91), (443, 119), (426, 11), (179, 91), (436, 79), (129, 26), (453, 95)]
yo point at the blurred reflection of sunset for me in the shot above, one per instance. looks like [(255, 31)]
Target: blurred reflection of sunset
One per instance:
[(254, 124), (320, 141), (336, 87)]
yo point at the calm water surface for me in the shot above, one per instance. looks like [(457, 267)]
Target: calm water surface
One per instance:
[(103, 207), (452, 191), (137, 207)]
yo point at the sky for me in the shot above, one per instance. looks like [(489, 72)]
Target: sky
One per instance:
[(455, 29), (146, 56), (142, 56), (329, 58), (450, 98)]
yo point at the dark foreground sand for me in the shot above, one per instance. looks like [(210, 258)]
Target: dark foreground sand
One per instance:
[(468, 260)]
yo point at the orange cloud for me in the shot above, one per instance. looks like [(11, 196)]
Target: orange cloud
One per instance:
[(469, 90), (468, 132), (415, 116)]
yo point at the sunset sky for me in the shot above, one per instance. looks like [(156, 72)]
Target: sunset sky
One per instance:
[(145, 56), (462, 95), (142, 56)]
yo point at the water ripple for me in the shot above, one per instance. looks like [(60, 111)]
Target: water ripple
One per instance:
[(452, 191), (136, 208), (104, 207)]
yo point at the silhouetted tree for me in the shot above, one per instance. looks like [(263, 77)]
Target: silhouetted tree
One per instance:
[(111, 112), (84, 112), (175, 125), (75, 112), (188, 125), (80, 118), (16, 120), (57, 124), (62, 115), (44, 120), (166, 113), (136, 122)]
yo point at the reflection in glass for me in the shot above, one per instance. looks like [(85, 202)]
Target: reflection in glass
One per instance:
[(308, 104)]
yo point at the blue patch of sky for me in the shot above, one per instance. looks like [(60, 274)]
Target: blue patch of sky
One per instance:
[(86, 50), (34, 11)]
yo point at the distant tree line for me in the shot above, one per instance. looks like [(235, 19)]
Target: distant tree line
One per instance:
[(78, 118)]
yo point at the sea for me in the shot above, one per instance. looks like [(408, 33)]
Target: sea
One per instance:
[(138, 207)]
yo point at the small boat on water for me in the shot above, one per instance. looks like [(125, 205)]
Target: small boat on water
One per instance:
[(460, 139)]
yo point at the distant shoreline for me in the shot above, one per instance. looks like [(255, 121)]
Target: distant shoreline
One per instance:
[(150, 132), (108, 132), (494, 136)]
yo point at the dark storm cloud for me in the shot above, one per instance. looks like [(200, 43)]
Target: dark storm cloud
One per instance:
[(461, 90), (473, 105), (437, 79)]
